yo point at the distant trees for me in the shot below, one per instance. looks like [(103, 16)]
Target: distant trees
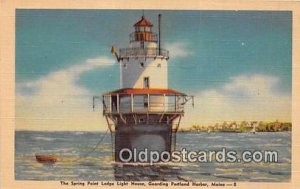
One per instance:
[(243, 126), (274, 126)]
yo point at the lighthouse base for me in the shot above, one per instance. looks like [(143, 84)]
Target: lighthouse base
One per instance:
[(131, 140)]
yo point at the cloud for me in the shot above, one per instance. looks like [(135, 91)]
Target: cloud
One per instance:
[(178, 49), (57, 102), (100, 61), (251, 85), (244, 97)]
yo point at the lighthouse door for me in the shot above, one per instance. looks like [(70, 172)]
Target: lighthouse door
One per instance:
[(114, 103)]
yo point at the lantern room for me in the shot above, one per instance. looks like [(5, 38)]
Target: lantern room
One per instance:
[(143, 32)]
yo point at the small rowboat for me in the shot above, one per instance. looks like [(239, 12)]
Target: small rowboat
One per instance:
[(46, 159)]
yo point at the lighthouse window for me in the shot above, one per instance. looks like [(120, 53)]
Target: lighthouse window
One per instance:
[(147, 29), (158, 65), (142, 64), (125, 65), (146, 82)]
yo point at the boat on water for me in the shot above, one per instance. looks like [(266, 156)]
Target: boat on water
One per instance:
[(46, 158)]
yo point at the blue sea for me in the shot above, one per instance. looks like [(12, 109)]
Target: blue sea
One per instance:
[(78, 159)]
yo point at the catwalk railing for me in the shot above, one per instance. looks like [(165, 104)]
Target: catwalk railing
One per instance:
[(143, 52), (147, 103)]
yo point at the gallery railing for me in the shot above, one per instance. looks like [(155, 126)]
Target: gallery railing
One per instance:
[(143, 52), (143, 104)]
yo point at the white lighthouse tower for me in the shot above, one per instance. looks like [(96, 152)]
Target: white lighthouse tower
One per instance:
[(144, 113), (144, 63)]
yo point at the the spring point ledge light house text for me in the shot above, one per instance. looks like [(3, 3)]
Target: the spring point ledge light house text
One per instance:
[(144, 112)]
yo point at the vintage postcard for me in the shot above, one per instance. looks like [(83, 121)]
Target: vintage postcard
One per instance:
[(134, 94)]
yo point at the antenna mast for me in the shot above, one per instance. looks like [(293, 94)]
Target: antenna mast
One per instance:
[(159, 34)]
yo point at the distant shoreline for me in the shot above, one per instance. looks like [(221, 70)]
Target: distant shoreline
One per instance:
[(242, 127), (193, 131), (225, 127)]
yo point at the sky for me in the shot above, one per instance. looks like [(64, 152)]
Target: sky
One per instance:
[(237, 64)]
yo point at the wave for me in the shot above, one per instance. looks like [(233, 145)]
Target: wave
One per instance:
[(44, 138)]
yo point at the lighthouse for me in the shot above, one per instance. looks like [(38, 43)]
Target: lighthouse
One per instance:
[(144, 113)]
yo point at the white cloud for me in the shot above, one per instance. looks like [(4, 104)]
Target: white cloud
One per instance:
[(252, 85), (57, 102), (100, 61), (178, 49), (244, 97)]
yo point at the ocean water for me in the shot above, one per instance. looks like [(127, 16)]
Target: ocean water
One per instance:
[(78, 160)]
